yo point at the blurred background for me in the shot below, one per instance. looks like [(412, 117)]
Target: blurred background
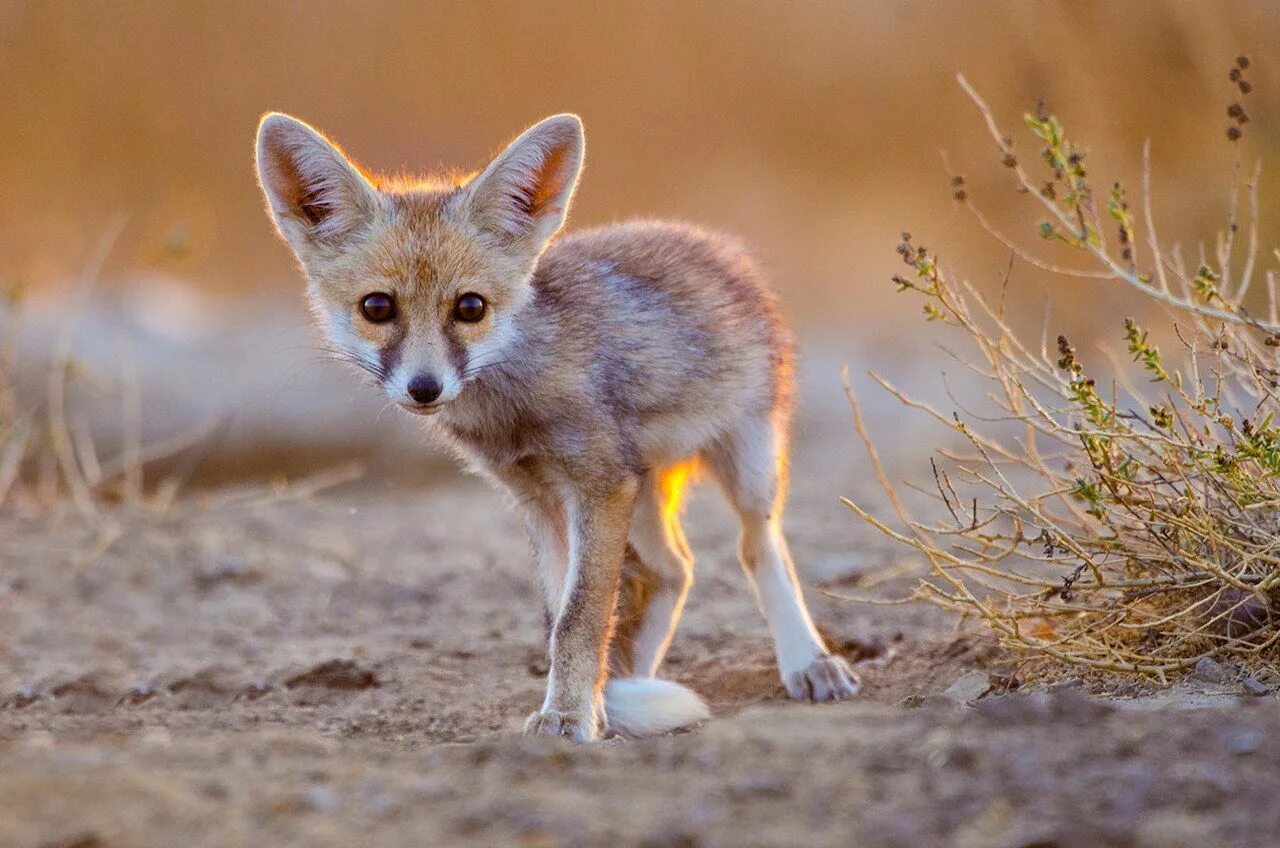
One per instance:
[(812, 129)]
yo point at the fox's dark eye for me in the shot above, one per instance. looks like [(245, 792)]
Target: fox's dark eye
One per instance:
[(378, 307), (470, 308)]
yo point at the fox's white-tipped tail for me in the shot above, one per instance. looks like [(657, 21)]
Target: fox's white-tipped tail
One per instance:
[(644, 706)]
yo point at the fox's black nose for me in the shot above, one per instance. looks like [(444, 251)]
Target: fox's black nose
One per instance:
[(424, 388)]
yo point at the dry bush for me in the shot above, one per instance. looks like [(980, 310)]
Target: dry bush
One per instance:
[(48, 454), (1123, 520), (52, 466)]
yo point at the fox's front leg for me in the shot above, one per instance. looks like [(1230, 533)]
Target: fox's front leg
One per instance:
[(598, 526)]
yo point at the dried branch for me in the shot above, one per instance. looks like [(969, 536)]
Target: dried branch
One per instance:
[(1159, 543)]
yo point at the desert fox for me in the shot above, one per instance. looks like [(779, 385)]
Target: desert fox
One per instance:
[(588, 375)]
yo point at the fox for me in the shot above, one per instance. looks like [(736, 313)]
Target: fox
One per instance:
[(589, 375)]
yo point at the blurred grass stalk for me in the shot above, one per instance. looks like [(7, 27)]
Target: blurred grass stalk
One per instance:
[(58, 443), (1095, 524), (15, 429), (50, 457), (38, 434)]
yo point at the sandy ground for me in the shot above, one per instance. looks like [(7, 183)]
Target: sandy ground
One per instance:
[(353, 668)]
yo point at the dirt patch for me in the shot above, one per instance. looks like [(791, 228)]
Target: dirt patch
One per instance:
[(354, 671), (1023, 775)]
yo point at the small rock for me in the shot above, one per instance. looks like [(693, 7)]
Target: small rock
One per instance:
[(226, 571), (1012, 709), (875, 652), (1210, 670), (538, 664), (1244, 743), (760, 783), (962, 757), (80, 840), (336, 674), (214, 790), (673, 837), (1254, 686), (138, 693), (253, 690), (1073, 706), (968, 688), (25, 696), (323, 798), (939, 702)]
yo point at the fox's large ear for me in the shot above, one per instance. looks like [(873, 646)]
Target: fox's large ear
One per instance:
[(316, 195), (524, 194)]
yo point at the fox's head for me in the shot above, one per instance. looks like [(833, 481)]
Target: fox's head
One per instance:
[(419, 282)]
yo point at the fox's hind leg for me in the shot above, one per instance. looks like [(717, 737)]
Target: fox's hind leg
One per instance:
[(750, 465), (662, 568), (634, 594)]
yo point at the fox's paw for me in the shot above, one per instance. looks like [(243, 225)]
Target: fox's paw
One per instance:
[(579, 728), (828, 678)]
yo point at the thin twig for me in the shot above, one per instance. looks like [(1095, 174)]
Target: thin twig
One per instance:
[(59, 436)]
